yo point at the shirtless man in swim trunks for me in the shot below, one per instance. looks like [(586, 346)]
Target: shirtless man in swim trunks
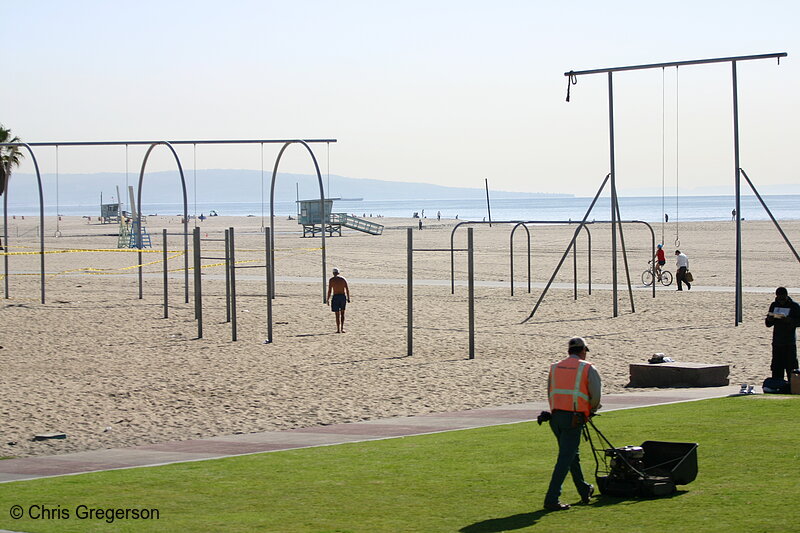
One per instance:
[(341, 297)]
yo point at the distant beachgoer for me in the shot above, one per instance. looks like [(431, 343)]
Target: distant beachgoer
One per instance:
[(202, 217), (438, 215), (682, 262), (420, 223), (666, 217), (456, 217), (733, 214), (341, 297)]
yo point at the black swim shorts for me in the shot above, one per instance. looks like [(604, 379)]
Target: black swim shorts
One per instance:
[(338, 302)]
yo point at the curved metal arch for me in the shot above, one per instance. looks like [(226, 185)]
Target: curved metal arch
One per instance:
[(185, 217), (41, 217), (272, 212), (511, 255)]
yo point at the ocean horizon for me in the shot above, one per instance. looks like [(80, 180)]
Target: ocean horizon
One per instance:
[(645, 208)]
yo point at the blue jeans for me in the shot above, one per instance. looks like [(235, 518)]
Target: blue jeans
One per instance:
[(569, 439)]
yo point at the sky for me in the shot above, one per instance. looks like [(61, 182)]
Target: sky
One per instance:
[(442, 92)]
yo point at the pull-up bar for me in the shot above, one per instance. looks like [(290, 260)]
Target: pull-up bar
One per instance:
[(223, 141), (676, 64), (572, 79)]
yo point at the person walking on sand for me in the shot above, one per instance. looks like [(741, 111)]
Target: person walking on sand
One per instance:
[(682, 262), (783, 317), (574, 390), (341, 297)]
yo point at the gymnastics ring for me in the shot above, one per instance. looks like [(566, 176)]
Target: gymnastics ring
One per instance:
[(677, 243)]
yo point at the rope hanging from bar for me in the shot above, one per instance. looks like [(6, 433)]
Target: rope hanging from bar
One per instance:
[(572, 79)]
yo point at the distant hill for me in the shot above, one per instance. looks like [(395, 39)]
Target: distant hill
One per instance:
[(232, 186)]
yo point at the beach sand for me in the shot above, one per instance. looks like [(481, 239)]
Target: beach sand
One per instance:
[(104, 367)]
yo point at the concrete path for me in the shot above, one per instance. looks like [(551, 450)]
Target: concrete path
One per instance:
[(226, 446)]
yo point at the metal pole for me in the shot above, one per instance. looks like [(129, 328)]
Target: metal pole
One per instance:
[(625, 260), (267, 247), (563, 257), (575, 270), (227, 278), (511, 259), (527, 231), (410, 291), (613, 193), (198, 291), (738, 207), (488, 205), (5, 240), (677, 64), (471, 296), (764, 205), (233, 283), (589, 248), (140, 267), (166, 270)]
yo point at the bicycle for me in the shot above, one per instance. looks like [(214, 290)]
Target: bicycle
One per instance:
[(665, 277)]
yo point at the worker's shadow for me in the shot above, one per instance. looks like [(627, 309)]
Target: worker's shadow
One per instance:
[(523, 520), (507, 523)]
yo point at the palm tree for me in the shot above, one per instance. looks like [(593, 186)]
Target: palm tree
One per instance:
[(10, 157)]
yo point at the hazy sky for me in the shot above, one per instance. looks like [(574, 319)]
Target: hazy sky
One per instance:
[(445, 92)]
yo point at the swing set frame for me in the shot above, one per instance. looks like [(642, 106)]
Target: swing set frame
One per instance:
[(572, 80)]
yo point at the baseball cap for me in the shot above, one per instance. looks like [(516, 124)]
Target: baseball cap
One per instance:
[(578, 342), (335, 270)]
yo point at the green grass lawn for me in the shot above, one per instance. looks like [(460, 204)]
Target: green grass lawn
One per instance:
[(482, 480)]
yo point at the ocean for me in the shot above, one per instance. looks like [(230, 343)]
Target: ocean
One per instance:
[(646, 208)]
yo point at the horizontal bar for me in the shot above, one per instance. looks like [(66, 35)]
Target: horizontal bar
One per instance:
[(676, 64), (250, 266), (133, 143), (439, 250)]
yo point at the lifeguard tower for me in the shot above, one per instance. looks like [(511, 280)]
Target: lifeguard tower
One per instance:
[(109, 213), (129, 228), (314, 222)]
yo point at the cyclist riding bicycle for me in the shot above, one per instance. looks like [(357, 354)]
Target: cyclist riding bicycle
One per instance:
[(660, 261)]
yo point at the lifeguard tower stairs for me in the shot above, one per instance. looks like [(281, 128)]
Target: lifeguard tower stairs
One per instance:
[(129, 227), (311, 219), (128, 233)]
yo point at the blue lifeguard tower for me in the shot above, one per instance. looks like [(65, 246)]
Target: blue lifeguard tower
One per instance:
[(311, 219)]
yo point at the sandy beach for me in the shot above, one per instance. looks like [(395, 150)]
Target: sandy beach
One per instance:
[(104, 367)]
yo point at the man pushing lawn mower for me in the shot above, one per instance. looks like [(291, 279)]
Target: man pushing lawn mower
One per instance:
[(650, 470), (574, 389)]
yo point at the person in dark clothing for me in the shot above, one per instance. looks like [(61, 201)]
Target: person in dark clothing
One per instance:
[(783, 317)]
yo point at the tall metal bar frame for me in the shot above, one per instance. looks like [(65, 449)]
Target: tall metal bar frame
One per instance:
[(572, 75), (410, 289), (170, 145)]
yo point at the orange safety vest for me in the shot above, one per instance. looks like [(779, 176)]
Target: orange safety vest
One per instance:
[(569, 386)]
